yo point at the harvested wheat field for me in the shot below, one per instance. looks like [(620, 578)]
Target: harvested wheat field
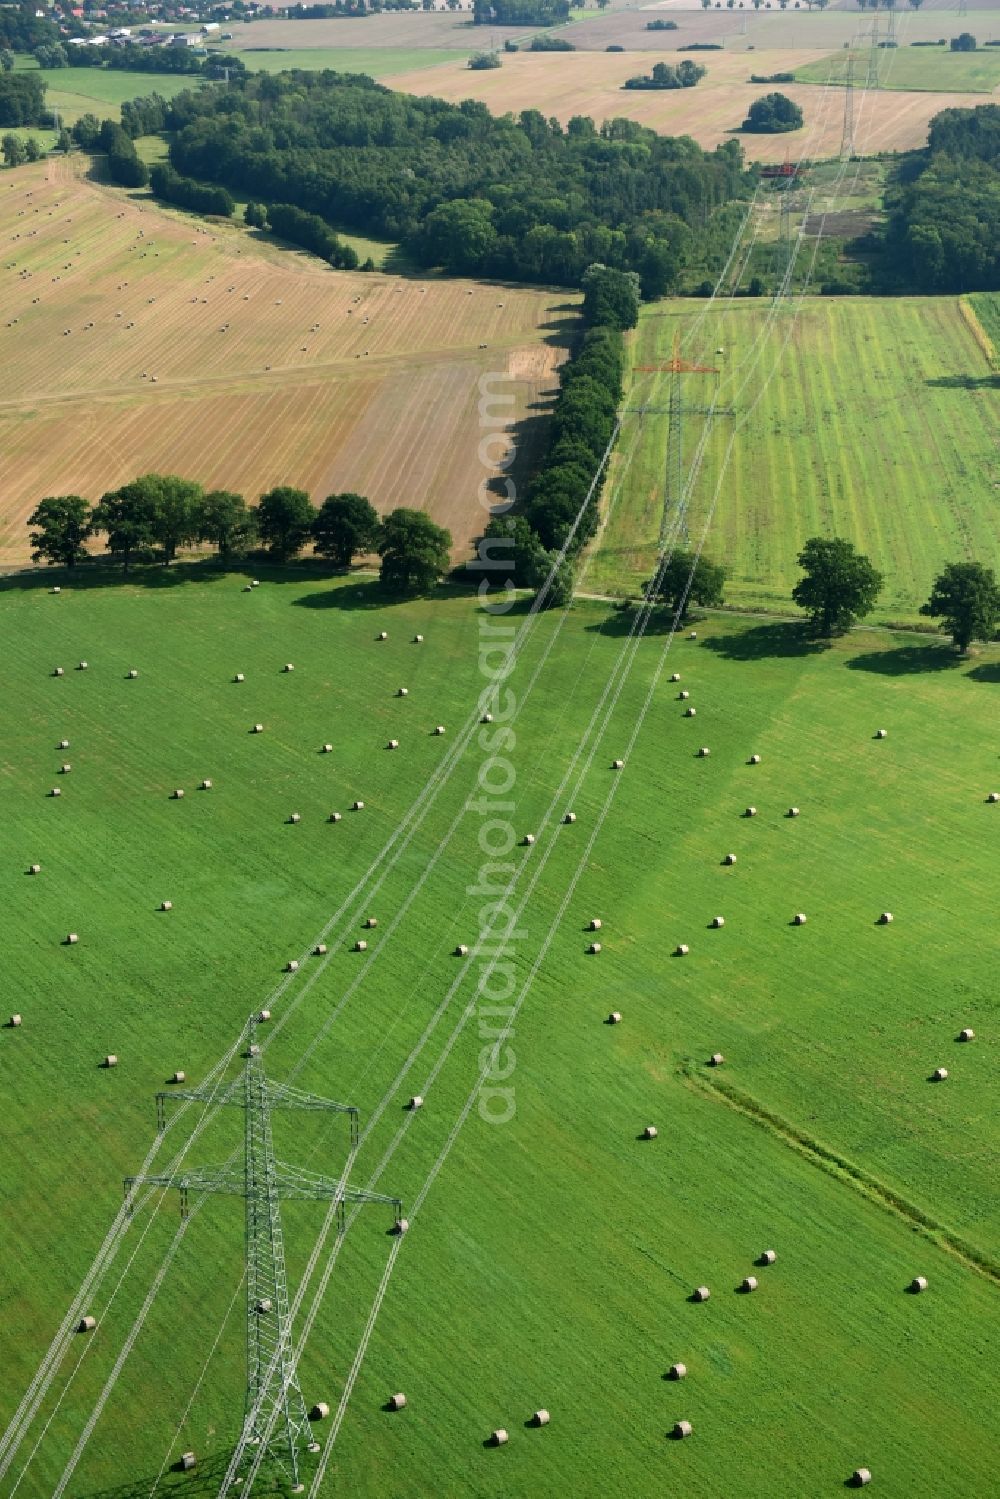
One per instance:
[(133, 339), (589, 83)]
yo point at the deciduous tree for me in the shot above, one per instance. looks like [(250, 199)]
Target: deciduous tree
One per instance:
[(224, 519), (284, 521), (415, 552), (686, 578), (345, 526), (64, 525), (966, 599), (840, 585)]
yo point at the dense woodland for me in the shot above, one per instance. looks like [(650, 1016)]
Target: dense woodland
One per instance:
[(521, 199), (943, 206)]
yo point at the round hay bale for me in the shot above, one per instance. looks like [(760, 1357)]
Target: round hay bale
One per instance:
[(994, 796), (540, 1418), (748, 1284), (650, 1132), (258, 728), (64, 770), (675, 676), (528, 839), (704, 752), (750, 812), (792, 812), (86, 1324), (693, 635), (677, 1371), (690, 712), (403, 692), (767, 1257), (569, 817), (58, 672), (401, 1226), (335, 817), (292, 966), (263, 1017), (295, 817), (439, 729), (264, 1305), (55, 590), (187, 1461), (461, 951), (382, 635), (940, 1073), (320, 1411), (418, 640), (393, 744), (110, 1060), (71, 939), (754, 760), (681, 950), (133, 674), (82, 666), (178, 795), (357, 806), (288, 666), (64, 744), (254, 582), (361, 945), (918, 1284), (206, 785), (34, 869), (683, 696), (729, 859), (716, 1059), (881, 733), (618, 765), (14, 1022), (371, 921), (486, 718), (320, 949), (615, 1018), (397, 1401), (718, 921), (885, 918), (968, 1034), (860, 1477), (594, 948), (416, 1102), (179, 1077), (682, 1429), (595, 923), (239, 677), (247, 588), (499, 1437), (55, 791), (799, 919), (326, 749), (166, 905)]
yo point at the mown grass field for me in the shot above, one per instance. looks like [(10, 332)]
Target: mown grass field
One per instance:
[(872, 419), (553, 1259), (102, 91), (935, 68), (377, 62), (247, 364)]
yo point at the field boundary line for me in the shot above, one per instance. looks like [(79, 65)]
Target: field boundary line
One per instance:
[(970, 318), (842, 1169)]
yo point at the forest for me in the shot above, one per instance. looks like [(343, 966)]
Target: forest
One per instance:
[(943, 207), (520, 198)]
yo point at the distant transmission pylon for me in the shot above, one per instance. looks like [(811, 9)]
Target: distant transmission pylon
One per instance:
[(963, 8), (871, 82), (273, 1396), (891, 38), (847, 138)]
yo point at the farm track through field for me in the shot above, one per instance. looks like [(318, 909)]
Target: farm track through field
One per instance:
[(843, 1170)]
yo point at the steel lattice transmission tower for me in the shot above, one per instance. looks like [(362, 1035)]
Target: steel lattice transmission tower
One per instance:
[(847, 138), (273, 1397)]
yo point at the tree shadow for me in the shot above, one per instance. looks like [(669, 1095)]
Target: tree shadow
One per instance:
[(99, 573), (988, 672), (965, 382), (351, 596), (904, 660), (759, 641)]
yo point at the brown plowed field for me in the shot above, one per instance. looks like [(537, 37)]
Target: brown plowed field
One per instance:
[(133, 339), (590, 83)]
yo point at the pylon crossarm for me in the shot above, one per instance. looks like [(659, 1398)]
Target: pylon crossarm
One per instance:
[(281, 1096), (296, 1182)]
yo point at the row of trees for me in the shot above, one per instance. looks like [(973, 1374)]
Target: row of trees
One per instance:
[(667, 75), (521, 198), (164, 511)]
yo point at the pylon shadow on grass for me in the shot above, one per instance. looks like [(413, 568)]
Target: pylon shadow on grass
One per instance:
[(200, 1483)]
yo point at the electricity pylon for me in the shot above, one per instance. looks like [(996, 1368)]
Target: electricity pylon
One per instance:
[(673, 496), (273, 1397), (847, 138)]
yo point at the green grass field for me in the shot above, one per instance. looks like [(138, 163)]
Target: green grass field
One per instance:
[(101, 91), (936, 69), (377, 62), (552, 1262), (875, 420)]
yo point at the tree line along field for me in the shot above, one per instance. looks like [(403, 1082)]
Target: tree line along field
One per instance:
[(552, 1263), (874, 420), (590, 83), (258, 365)]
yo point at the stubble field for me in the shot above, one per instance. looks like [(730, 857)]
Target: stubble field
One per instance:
[(134, 340), (553, 1260)]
